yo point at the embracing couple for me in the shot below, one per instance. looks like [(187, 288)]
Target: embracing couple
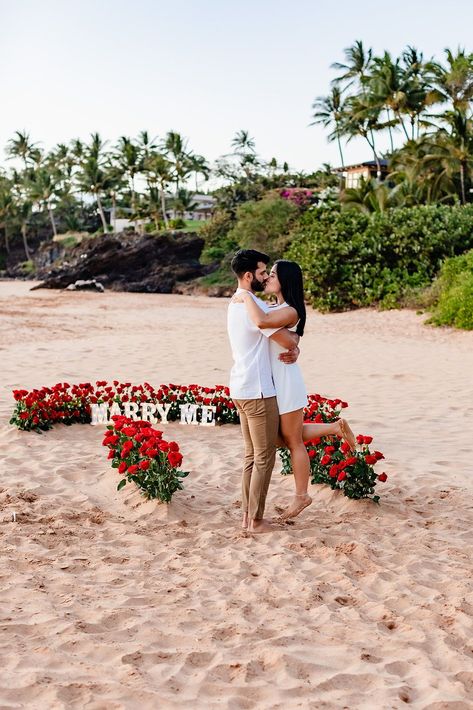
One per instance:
[(266, 383)]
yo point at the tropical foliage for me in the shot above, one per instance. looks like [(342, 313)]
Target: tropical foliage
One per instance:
[(424, 106), (351, 259), (454, 293)]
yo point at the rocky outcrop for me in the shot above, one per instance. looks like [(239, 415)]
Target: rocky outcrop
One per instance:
[(130, 262)]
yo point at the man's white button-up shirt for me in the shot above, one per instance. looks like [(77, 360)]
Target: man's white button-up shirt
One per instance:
[(250, 376)]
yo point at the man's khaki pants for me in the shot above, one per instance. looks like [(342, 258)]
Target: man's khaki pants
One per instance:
[(259, 424)]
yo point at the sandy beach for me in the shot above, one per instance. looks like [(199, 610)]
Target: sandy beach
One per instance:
[(109, 601)]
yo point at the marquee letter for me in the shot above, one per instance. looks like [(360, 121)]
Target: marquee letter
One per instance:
[(208, 415), (131, 410), (99, 413), (147, 412), (163, 410), (189, 413)]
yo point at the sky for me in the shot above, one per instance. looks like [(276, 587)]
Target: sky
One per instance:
[(206, 69)]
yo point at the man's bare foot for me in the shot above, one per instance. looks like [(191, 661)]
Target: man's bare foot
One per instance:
[(261, 526), (244, 522), (297, 505)]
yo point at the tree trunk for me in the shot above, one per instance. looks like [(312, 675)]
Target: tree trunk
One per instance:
[(163, 206), (25, 242), (340, 148), (462, 182), (390, 130), (51, 218), (114, 210), (375, 154), (398, 114), (102, 214)]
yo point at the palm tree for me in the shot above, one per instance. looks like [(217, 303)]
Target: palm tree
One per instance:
[(184, 202), (22, 147), (92, 177), (177, 153), (6, 208), (329, 111), (129, 160), (356, 68), (43, 189), (361, 118), (243, 144), (370, 196), (199, 166), (158, 172), (22, 207), (455, 82)]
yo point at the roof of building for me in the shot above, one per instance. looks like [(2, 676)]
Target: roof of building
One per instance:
[(367, 164)]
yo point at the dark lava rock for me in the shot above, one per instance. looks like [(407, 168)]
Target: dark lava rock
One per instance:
[(130, 262)]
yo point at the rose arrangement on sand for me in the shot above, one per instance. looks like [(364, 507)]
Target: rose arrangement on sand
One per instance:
[(142, 456), (330, 460), (40, 409)]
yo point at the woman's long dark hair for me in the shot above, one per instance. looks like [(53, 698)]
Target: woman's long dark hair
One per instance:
[(290, 277)]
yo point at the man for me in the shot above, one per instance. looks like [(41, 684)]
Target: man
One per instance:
[(252, 388)]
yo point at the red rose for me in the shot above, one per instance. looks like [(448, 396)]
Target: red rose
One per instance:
[(351, 461), (163, 446), (173, 446), (175, 458), (367, 439), (24, 415), (341, 476), (345, 447), (333, 471), (370, 459), (144, 465), (152, 453), (344, 405), (122, 467), (325, 460), (360, 438), (132, 469), (329, 449), (378, 455), (382, 477), (129, 431), (111, 454), (312, 453)]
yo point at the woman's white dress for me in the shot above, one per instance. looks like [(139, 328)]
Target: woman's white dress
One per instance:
[(288, 381)]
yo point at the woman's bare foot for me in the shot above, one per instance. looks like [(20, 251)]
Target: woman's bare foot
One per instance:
[(346, 433), (244, 522), (261, 526), (297, 505)]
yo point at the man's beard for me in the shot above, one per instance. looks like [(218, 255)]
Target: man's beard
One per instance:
[(257, 285)]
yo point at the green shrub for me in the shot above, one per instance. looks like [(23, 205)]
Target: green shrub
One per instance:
[(264, 225), (352, 260), (177, 223), (455, 299), (216, 235)]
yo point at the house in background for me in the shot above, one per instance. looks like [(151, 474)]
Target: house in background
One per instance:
[(352, 174), (202, 209), (203, 206)]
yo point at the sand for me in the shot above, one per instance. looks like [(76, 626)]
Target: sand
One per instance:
[(110, 601)]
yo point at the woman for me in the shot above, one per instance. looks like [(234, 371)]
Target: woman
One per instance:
[(285, 282)]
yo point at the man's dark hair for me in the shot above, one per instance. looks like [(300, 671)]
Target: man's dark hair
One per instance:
[(247, 260)]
